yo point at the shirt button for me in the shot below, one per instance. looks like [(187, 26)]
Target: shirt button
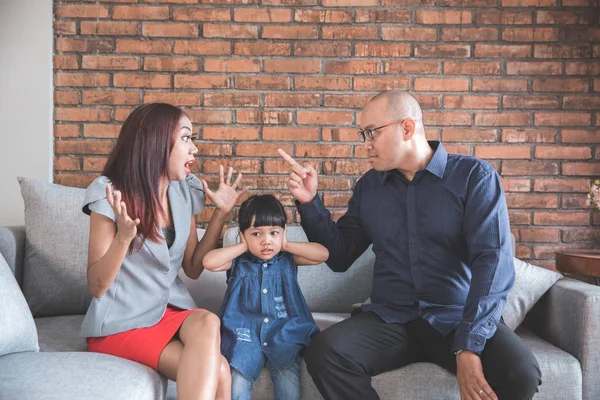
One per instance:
[(478, 343), (265, 344), (265, 290), (265, 265), (266, 320)]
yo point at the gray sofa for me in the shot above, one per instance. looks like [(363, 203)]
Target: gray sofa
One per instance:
[(47, 259)]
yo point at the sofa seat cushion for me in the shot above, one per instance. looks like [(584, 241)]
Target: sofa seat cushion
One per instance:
[(60, 333), (76, 376)]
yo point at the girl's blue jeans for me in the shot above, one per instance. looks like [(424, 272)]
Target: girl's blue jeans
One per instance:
[(286, 383)]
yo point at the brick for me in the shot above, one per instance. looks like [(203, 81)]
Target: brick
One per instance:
[(412, 67), (561, 51), (143, 46), (277, 167), (495, 17), (289, 32), (469, 34), (65, 62), (262, 15), (381, 84), (83, 146), (294, 66), (153, 81), (471, 102), (323, 16), (409, 34), (141, 12), (444, 17), (355, 100), (592, 169), (323, 117), (108, 28), (341, 32), (529, 168), (538, 235), (468, 3), (207, 117), (562, 119), (201, 13), (530, 34), (345, 167), (182, 99), (574, 201), (441, 84), (293, 100), (231, 65), (230, 31), (214, 149), (322, 49), (580, 136), (555, 17), (323, 151), (521, 200), (530, 102), (67, 164), (499, 85), (101, 131), (561, 218), (231, 100), (202, 47), (336, 199), (516, 184), (502, 51), (349, 3), (502, 119), (170, 29), (262, 49), (202, 81), (229, 133), (561, 85), (581, 102), (580, 3), (84, 45), (528, 135), (240, 165), (442, 50), (66, 130), (529, 3), (533, 68), (408, 3), (110, 62), (353, 67), (66, 97), (469, 135), (64, 27), (581, 236), (81, 11), (563, 152), (381, 16), (74, 180), (292, 134), (340, 135), (582, 34), (582, 68), (122, 113), (171, 64), (503, 152), (471, 68), (262, 82), (378, 50), (263, 117), (458, 149), (112, 97), (560, 185), (93, 164), (523, 252), (261, 149), (441, 118), (81, 114), (171, 1), (519, 217)]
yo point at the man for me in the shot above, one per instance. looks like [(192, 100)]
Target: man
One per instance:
[(439, 227)]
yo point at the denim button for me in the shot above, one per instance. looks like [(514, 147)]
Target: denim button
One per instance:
[(478, 343), (265, 265), (265, 290), (265, 344), (266, 320)]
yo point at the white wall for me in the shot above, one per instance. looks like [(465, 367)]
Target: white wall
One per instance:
[(25, 100)]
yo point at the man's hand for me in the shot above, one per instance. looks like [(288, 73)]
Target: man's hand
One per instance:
[(471, 382), (303, 180)]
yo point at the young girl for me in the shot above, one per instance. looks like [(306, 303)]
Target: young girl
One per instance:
[(142, 232), (265, 319)]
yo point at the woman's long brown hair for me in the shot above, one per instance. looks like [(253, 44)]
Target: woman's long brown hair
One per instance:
[(140, 159)]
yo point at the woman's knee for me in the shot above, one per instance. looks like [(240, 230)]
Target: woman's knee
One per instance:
[(200, 324)]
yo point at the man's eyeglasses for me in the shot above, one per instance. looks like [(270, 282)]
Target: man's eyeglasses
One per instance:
[(368, 134)]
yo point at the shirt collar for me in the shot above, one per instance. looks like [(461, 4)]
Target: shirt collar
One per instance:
[(437, 164)]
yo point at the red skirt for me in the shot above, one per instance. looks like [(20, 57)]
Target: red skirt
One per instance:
[(143, 345)]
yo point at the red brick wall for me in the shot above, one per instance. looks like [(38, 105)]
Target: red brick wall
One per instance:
[(516, 82)]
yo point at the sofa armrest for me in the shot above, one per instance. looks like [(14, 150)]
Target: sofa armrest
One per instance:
[(568, 316), (12, 248)]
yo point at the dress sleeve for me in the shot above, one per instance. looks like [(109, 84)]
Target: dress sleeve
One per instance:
[(196, 193), (95, 198)]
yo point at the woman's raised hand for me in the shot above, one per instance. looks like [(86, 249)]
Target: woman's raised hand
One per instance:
[(226, 195), (126, 227)]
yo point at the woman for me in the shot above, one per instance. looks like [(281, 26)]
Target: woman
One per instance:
[(142, 231)]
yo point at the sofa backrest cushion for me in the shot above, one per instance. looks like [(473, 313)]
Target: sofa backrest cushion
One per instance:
[(55, 265), (323, 289), (17, 329)]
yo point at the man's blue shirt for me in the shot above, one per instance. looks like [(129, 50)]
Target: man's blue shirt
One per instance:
[(441, 242)]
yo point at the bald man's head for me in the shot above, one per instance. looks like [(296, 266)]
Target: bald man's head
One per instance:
[(400, 105)]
